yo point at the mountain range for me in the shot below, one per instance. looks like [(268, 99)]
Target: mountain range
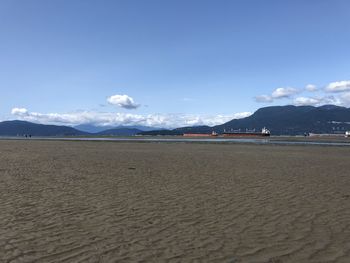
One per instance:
[(15, 128), (280, 120), (20, 128), (90, 128)]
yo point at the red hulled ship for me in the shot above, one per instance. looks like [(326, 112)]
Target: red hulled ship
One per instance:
[(264, 132)]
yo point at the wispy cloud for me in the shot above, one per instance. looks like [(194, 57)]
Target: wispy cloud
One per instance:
[(115, 119), (306, 101), (340, 96), (345, 99), (284, 93), (311, 87), (342, 100), (19, 111), (263, 98), (123, 101), (338, 86), (279, 93)]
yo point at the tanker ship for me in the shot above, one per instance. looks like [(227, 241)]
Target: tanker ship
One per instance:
[(251, 133)]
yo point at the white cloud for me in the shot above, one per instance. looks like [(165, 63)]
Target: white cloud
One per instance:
[(283, 93), (332, 100), (123, 101), (115, 119), (345, 98), (263, 98), (338, 86), (279, 93), (241, 115), (19, 111), (311, 87), (306, 101), (342, 100)]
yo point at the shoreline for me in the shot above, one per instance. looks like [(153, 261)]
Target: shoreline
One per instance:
[(273, 140)]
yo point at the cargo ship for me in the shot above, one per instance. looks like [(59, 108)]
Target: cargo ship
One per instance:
[(264, 132), (200, 134)]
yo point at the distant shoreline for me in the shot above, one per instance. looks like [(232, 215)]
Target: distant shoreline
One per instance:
[(273, 140)]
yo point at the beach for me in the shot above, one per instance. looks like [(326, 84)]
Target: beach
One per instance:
[(81, 201)]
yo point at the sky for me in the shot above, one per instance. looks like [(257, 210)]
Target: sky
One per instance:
[(169, 63)]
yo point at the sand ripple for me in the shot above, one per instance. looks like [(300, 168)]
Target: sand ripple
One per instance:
[(151, 202)]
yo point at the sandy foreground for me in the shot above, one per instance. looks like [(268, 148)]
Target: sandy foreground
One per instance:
[(173, 202)]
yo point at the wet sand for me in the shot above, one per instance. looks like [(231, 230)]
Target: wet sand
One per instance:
[(63, 201)]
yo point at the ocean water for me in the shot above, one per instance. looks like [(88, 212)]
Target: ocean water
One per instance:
[(189, 140)]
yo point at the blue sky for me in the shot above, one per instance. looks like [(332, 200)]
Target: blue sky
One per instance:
[(169, 63)]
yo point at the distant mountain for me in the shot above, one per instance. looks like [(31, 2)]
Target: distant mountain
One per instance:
[(20, 128), (119, 132), (14, 128), (294, 120), (179, 131), (281, 120), (96, 129), (92, 128)]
